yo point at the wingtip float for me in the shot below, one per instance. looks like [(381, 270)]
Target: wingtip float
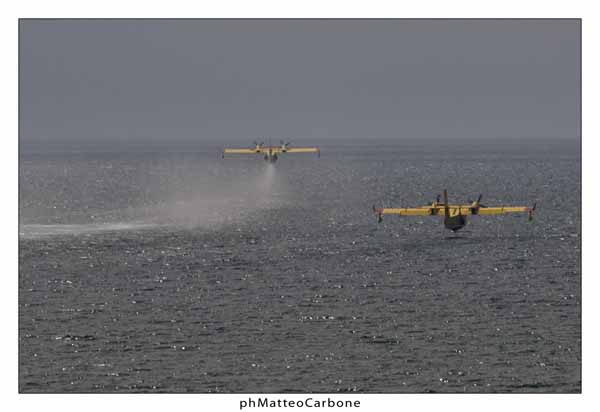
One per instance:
[(271, 153), (455, 215)]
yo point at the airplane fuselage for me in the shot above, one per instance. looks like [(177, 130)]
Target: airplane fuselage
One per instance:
[(455, 223), (270, 157)]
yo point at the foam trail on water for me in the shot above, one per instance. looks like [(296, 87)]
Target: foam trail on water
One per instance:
[(34, 231)]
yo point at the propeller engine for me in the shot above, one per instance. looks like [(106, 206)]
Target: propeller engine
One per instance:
[(475, 205), (284, 146)]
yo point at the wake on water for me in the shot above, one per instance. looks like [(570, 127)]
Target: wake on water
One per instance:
[(33, 231)]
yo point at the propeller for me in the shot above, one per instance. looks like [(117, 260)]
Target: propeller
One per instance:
[(477, 201), (477, 204)]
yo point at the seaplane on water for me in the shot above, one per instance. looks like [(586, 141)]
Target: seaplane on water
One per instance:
[(271, 153), (455, 216)]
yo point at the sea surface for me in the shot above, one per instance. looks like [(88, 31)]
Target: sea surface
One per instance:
[(160, 267)]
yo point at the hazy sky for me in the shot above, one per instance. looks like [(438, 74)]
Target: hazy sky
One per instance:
[(316, 79)]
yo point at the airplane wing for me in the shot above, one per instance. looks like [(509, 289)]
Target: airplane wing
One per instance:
[(470, 210), (406, 211), (503, 210), (303, 150), (453, 210), (239, 151)]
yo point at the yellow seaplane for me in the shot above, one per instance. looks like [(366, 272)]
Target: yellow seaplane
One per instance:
[(271, 153), (455, 216)]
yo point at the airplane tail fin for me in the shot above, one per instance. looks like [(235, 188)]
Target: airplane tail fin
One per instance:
[(446, 209)]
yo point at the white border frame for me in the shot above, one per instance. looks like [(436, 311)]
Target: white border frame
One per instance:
[(281, 9)]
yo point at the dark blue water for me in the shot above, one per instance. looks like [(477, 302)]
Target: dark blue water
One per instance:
[(161, 267)]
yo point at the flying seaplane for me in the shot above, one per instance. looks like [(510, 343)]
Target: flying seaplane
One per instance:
[(455, 216), (271, 153)]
